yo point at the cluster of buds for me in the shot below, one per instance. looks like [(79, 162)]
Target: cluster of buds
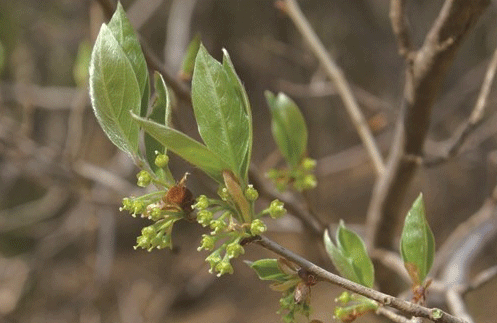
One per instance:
[(301, 178), (164, 207), (227, 231), (357, 305)]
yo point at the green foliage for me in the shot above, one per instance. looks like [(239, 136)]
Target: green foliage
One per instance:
[(350, 256), (118, 81), (356, 305), (268, 269), (80, 69), (288, 127), (222, 119), (417, 244), (189, 59)]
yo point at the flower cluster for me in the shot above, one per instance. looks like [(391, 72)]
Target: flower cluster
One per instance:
[(301, 178), (227, 231), (357, 305)]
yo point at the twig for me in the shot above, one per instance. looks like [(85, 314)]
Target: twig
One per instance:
[(384, 299), (475, 118), (400, 27), (336, 75), (481, 279), (309, 220), (394, 316)]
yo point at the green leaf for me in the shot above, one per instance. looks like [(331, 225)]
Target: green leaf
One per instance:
[(288, 127), (161, 113), (417, 244), (122, 30), (221, 117), (187, 148), (240, 90), (267, 269), (189, 59), (350, 256), (114, 91)]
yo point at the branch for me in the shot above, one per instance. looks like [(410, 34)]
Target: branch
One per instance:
[(424, 76), (455, 143), (384, 299), (456, 304), (394, 316), (399, 26), (336, 75)]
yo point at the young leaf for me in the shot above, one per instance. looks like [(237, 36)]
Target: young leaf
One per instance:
[(189, 59), (187, 148), (240, 90), (267, 269), (122, 30), (417, 244), (222, 121), (114, 91), (350, 256), (288, 127), (161, 113)]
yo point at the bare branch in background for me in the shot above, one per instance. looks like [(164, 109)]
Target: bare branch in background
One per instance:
[(424, 76), (459, 138), (292, 8), (400, 27)]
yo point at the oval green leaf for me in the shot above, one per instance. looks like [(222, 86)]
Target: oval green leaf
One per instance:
[(267, 269), (288, 127), (417, 244), (222, 121), (122, 30), (114, 91)]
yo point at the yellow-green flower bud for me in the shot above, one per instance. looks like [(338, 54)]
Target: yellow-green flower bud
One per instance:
[(344, 298), (251, 193), (138, 207), (234, 250), (204, 217), (202, 203), (207, 243), (224, 267), (213, 259), (149, 232), (144, 178), (276, 209), (127, 204), (309, 164), (161, 160), (257, 227)]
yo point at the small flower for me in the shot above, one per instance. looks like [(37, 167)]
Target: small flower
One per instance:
[(138, 207), (149, 232), (142, 242), (213, 259), (257, 227), (224, 267), (309, 164), (234, 250), (202, 203), (127, 204), (204, 217), (208, 242), (144, 178), (218, 225), (224, 194), (276, 209), (161, 160), (251, 193), (344, 298), (309, 182)]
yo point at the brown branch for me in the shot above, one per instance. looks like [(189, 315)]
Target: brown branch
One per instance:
[(424, 76), (383, 299), (459, 138), (455, 301), (400, 27), (394, 316), (336, 75)]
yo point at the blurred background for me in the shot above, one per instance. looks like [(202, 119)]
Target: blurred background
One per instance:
[(66, 252)]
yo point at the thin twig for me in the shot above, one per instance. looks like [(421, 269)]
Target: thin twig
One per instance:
[(481, 279), (394, 316), (454, 300), (384, 299), (455, 143), (336, 75), (400, 29)]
